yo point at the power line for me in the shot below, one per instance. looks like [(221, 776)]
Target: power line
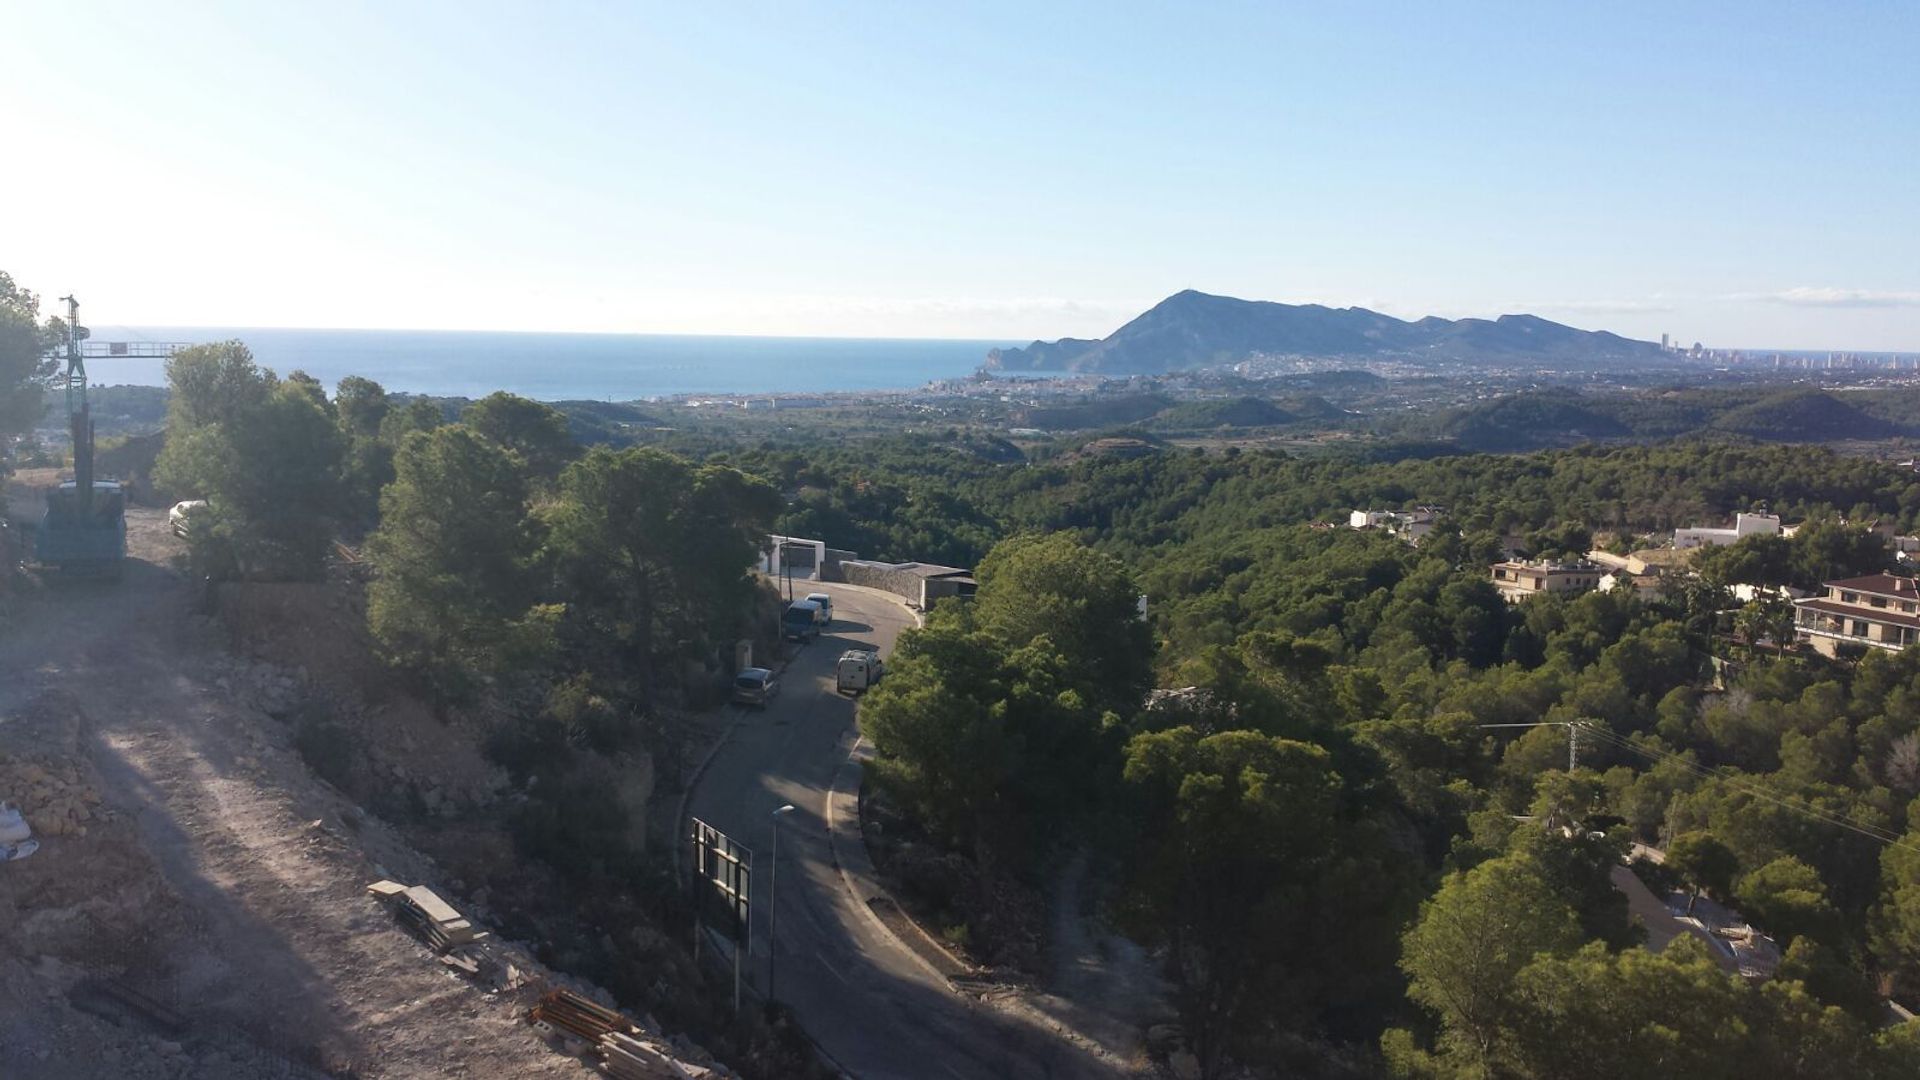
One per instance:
[(1874, 832), (1573, 736), (1608, 736)]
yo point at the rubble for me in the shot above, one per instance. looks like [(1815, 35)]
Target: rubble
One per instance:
[(16, 836), (52, 795)]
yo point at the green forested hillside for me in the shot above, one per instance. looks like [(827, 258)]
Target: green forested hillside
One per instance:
[(1344, 866), (1241, 412), (1561, 417), (913, 496), (1365, 670)]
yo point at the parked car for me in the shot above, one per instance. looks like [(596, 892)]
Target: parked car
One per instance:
[(755, 686), (182, 513), (826, 607), (802, 621)]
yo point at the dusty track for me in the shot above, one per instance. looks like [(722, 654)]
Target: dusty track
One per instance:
[(219, 878)]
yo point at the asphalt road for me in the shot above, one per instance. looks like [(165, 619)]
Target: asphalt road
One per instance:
[(866, 1000)]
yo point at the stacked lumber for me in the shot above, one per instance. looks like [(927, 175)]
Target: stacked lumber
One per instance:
[(564, 1010), (421, 910), (628, 1058)]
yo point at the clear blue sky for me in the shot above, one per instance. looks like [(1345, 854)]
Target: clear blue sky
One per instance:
[(1741, 174)]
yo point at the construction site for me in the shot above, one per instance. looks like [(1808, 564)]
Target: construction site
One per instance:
[(183, 896)]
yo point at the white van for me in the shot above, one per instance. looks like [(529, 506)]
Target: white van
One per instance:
[(826, 607), (857, 670)]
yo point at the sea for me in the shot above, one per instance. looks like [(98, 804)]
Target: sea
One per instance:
[(558, 367)]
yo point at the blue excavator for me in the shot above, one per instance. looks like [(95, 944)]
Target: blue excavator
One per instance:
[(84, 531)]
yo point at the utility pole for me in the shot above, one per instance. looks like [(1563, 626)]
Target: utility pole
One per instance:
[(1573, 736), (1573, 745)]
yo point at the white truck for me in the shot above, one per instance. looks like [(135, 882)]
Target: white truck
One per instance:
[(857, 670)]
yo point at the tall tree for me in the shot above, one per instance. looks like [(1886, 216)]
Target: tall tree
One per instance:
[(942, 748), (1245, 868), (265, 453), (1592, 1015), (1703, 863), (1895, 920), (1787, 899), (653, 553), (24, 367), (362, 404), (1084, 601), (362, 407), (532, 429), (281, 488), (455, 594), (1471, 942), (214, 384)]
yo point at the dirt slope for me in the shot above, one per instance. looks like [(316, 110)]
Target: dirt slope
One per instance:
[(189, 855)]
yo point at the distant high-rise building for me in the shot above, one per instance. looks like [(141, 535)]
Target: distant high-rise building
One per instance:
[(1664, 346)]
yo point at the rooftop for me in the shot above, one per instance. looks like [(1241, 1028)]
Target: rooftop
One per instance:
[(1553, 566), (1886, 584), (920, 569), (1854, 611)]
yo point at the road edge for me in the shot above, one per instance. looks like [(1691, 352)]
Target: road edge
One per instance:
[(843, 815), (1010, 1001), (681, 805), (857, 873)]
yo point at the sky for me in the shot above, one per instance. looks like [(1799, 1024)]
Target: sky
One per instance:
[(1742, 175)]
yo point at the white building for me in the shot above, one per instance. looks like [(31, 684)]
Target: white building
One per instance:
[(792, 556), (1744, 525), (1516, 580), (1408, 525), (1748, 594), (1648, 587)]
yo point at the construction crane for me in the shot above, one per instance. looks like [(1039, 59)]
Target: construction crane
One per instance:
[(84, 530)]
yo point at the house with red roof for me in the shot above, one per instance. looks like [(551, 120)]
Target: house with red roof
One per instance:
[(1880, 611)]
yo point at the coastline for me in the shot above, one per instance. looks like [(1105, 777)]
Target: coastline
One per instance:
[(570, 367)]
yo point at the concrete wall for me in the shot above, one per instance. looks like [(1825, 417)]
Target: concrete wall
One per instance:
[(1688, 539), (830, 566), (1744, 525), (875, 575), (934, 589)]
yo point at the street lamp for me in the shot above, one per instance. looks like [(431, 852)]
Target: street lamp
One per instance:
[(773, 901)]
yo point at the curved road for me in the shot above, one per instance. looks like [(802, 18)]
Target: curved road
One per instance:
[(867, 1001)]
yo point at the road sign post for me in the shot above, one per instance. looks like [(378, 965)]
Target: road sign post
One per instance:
[(722, 891)]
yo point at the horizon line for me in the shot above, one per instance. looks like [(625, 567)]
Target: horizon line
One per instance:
[(566, 333)]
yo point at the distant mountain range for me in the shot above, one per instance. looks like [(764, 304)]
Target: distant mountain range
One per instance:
[(1195, 330)]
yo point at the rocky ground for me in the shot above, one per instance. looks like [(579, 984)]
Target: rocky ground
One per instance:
[(197, 907)]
